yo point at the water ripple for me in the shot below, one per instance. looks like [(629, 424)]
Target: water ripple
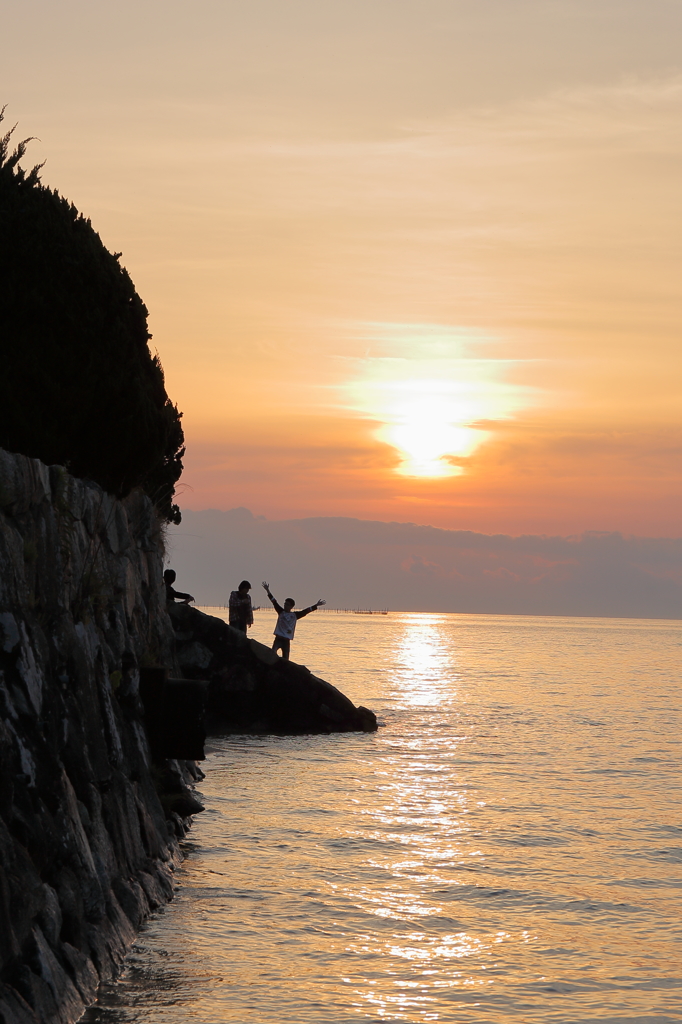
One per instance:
[(505, 849)]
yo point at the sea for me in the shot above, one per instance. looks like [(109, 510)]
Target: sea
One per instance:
[(506, 848)]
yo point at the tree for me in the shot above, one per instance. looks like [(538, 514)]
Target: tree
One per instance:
[(78, 384)]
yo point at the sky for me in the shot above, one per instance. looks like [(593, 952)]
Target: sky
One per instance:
[(405, 261)]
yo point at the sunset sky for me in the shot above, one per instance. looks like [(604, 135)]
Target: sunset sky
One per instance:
[(413, 261)]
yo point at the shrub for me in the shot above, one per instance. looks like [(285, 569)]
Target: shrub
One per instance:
[(78, 384)]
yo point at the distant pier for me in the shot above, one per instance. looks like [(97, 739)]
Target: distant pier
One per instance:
[(335, 611), (356, 611)]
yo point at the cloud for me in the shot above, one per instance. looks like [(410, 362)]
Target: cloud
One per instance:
[(417, 565), (408, 567), (502, 574)]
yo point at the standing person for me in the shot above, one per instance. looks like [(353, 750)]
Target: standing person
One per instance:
[(286, 622), (241, 612)]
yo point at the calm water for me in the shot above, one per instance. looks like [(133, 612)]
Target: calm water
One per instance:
[(508, 847)]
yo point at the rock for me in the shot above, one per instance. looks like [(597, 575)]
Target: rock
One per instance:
[(83, 972), (330, 714), (13, 1007), (50, 916), (177, 826), (263, 653), (132, 899), (367, 719), (251, 689), (182, 804), (69, 1004), (195, 655)]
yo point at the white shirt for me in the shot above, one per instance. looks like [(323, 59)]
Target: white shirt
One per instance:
[(286, 625)]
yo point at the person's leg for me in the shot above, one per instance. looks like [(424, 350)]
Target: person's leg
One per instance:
[(282, 644)]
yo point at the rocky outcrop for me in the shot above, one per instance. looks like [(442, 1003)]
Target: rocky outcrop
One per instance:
[(87, 845), (252, 690)]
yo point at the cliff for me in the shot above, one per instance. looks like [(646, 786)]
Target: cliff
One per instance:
[(87, 848)]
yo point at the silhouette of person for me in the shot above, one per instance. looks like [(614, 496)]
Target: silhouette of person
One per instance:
[(174, 595), (241, 612), (286, 621)]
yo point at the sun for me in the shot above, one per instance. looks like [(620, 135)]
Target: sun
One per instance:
[(431, 394), (427, 421), (433, 422)]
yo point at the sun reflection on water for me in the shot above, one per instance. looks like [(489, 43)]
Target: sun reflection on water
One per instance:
[(427, 955), (425, 660), (421, 816)]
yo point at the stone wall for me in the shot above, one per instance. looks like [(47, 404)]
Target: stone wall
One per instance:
[(86, 848)]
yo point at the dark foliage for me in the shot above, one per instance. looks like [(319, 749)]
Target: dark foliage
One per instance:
[(78, 384)]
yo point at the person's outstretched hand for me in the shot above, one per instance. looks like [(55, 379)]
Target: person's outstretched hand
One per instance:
[(266, 586), (321, 601)]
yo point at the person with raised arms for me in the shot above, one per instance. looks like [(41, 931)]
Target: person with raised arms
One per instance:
[(286, 621)]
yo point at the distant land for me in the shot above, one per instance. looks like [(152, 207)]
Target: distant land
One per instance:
[(406, 567)]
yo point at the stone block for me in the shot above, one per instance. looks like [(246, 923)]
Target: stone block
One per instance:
[(66, 996), (83, 972)]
